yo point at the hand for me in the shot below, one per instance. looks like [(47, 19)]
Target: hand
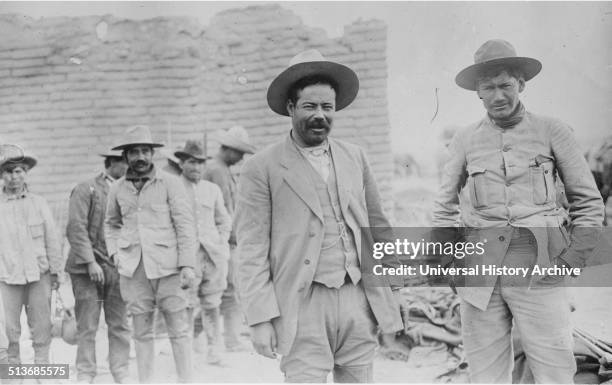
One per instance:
[(187, 277), (54, 282), (263, 337), (96, 274)]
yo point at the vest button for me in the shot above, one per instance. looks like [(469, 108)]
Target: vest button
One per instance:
[(311, 234), (307, 262), (501, 238)]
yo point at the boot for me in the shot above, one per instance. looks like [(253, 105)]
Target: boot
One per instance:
[(211, 325), (232, 322), (180, 331)]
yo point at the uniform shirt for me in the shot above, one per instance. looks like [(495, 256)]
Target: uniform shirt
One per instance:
[(510, 176), (30, 243), (154, 222)]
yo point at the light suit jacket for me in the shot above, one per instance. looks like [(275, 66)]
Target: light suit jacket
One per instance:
[(156, 223), (279, 229)]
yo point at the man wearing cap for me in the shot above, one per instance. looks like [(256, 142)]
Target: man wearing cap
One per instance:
[(234, 143), (150, 234), (94, 276), (509, 162), (30, 258), (301, 204), (213, 228)]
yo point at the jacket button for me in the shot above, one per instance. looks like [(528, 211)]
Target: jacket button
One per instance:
[(307, 262), (311, 234), (506, 148), (501, 238)]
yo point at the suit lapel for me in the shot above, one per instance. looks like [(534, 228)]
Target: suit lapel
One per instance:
[(296, 176)]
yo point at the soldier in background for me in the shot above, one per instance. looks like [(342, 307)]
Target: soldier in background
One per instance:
[(213, 225), (94, 276), (150, 233), (234, 144), (30, 259)]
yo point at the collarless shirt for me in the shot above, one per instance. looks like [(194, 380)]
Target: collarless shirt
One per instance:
[(317, 156)]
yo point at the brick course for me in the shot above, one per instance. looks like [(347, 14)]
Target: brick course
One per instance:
[(67, 92)]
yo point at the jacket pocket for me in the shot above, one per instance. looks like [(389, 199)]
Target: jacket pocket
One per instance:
[(37, 230), (477, 185), (541, 172)]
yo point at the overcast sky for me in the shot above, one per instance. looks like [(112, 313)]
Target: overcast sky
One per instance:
[(428, 43)]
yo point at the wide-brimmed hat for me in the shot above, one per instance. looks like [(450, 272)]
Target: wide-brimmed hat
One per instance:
[(13, 154), (492, 53), (237, 138), (111, 154), (311, 63), (193, 149), (137, 135)]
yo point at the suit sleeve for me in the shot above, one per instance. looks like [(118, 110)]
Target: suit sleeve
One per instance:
[(112, 221), (223, 221), (77, 228), (380, 227), (184, 223), (52, 239), (586, 205), (253, 225)]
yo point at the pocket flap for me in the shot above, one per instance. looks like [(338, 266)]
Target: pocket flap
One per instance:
[(37, 230), (163, 243), (160, 208), (472, 170)]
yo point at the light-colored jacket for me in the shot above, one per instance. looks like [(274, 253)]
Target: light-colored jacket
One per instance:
[(511, 180), (156, 222), (29, 239), (213, 223), (279, 229)]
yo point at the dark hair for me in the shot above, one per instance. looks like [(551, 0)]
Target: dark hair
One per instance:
[(493, 71), (304, 82)]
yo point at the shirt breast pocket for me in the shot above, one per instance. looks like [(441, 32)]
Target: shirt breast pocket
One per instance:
[(541, 173), (477, 186)]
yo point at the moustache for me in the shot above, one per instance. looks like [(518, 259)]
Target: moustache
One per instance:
[(322, 124)]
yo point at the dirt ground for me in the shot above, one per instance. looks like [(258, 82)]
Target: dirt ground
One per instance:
[(413, 203)]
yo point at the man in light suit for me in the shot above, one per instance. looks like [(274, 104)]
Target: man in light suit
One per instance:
[(301, 204)]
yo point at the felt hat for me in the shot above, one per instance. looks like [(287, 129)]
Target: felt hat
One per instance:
[(237, 138), (312, 63), (137, 135), (494, 53)]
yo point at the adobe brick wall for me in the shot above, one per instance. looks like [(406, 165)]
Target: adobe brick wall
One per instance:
[(70, 86)]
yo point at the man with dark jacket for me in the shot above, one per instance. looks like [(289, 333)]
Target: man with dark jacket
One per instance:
[(95, 280)]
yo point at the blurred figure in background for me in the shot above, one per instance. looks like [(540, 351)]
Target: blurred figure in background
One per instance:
[(234, 144), (94, 276), (30, 260)]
